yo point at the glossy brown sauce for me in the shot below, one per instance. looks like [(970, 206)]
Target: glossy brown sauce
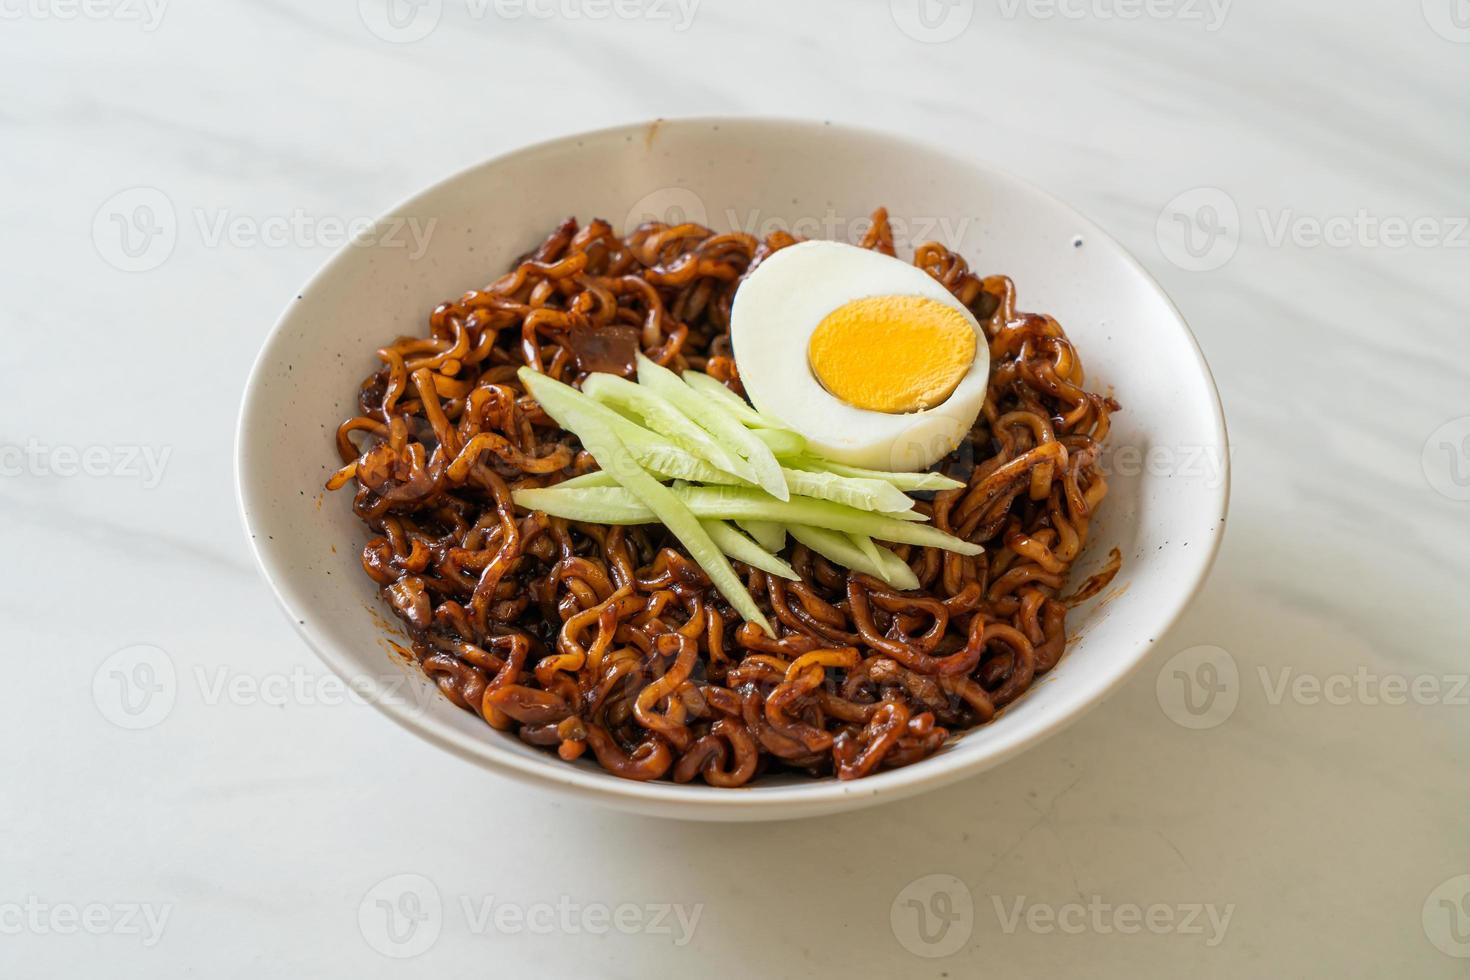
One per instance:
[(609, 642)]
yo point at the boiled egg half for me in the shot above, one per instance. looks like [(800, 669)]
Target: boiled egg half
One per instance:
[(868, 357)]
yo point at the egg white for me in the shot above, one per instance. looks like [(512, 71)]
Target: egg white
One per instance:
[(775, 312)]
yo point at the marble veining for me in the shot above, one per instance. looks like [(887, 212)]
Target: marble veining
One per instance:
[(252, 820)]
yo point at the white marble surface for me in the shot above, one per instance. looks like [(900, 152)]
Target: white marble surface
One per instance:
[(255, 821)]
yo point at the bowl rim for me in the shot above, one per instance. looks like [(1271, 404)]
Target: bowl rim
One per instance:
[(818, 796)]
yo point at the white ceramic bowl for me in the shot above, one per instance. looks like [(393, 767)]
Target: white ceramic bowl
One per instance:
[(1168, 486)]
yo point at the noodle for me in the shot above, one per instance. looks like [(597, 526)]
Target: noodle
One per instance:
[(610, 640)]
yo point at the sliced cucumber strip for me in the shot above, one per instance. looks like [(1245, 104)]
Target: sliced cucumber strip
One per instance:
[(782, 443), (864, 494), (712, 416), (898, 569), (866, 546), (664, 418), (741, 548), (737, 405), (568, 407), (839, 548), (768, 534), (590, 505), (671, 462), (610, 505), (656, 452), (903, 481), (597, 478), (747, 503)]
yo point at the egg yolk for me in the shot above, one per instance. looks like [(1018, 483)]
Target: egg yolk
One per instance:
[(892, 354)]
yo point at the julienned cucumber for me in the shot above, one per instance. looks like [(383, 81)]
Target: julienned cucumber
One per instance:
[(741, 548), (867, 547), (664, 418), (783, 443), (773, 432), (711, 416), (671, 463), (656, 452), (736, 405), (903, 481), (612, 505), (568, 407), (861, 493), (840, 548), (768, 534)]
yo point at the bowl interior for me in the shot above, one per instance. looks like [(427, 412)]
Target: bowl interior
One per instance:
[(1167, 461)]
